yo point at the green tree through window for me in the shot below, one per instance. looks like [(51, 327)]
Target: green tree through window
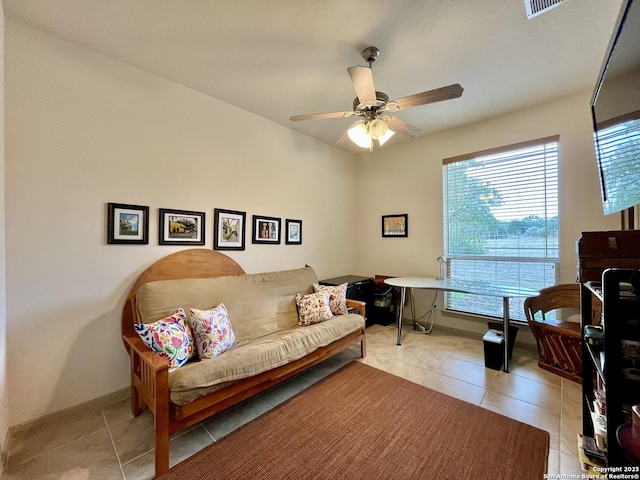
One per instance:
[(501, 221), (469, 211)]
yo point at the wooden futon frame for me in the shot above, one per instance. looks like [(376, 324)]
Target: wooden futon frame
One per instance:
[(150, 372)]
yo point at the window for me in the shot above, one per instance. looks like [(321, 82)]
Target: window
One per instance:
[(501, 222)]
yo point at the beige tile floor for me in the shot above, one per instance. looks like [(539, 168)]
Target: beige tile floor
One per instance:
[(101, 440)]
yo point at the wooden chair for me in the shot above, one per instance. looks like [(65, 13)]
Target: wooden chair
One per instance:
[(559, 341)]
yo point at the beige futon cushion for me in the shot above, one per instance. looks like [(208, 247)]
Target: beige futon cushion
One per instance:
[(199, 378), (259, 304)]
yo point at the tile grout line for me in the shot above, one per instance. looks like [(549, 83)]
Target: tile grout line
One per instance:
[(113, 445), (564, 418), (208, 432), (560, 429)]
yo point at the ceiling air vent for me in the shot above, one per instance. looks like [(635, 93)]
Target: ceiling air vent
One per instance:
[(536, 7)]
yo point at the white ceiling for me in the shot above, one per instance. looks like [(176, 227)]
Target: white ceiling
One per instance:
[(280, 58)]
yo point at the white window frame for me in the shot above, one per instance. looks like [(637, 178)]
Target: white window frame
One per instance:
[(494, 161)]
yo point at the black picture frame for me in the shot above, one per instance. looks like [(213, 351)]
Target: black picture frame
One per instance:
[(180, 227), (266, 230), (395, 225), (293, 230), (229, 229), (127, 224)]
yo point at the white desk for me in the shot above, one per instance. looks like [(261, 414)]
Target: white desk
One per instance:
[(474, 288)]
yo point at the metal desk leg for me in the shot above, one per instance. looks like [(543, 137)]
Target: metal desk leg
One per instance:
[(505, 331), (403, 294)]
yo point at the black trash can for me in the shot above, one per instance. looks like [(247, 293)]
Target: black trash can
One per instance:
[(493, 342), (513, 332)]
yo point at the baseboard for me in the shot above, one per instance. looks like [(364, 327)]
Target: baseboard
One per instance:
[(475, 328)]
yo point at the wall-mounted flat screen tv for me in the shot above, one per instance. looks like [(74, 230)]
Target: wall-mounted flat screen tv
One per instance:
[(616, 114)]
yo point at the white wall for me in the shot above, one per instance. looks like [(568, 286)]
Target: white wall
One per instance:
[(408, 179), (84, 130), (4, 393)]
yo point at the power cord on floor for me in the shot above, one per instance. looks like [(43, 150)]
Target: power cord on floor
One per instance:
[(427, 326)]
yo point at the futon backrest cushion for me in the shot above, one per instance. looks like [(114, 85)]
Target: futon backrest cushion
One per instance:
[(258, 304)]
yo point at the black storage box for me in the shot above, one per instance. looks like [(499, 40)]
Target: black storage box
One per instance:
[(493, 349), (358, 288)]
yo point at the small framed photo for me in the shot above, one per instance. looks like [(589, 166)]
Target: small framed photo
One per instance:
[(180, 227), (228, 229), (127, 224), (294, 232), (266, 230), (395, 225)]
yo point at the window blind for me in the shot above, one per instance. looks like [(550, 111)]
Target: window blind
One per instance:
[(501, 221), (618, 146)]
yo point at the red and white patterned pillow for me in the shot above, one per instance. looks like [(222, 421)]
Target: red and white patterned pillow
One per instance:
[(337, 297), (171, 337), (313, 308), (212, 331)]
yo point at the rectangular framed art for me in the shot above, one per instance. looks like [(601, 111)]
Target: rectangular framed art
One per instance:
[(181, 227), (228, 229), (294, 232), (127, 224), (266, 230), (395, 225)]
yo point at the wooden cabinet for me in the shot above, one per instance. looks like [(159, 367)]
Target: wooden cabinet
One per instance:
[(598, 251), (608, 271), (611, 365)]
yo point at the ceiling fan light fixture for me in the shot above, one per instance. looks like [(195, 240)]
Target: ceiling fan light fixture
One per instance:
[(378, 128), (359, 134), (387, 135)]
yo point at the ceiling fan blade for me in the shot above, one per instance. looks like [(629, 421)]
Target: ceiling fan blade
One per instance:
[(430, 96), (320, 116), (343, 140), (362, 80), (398, 125)]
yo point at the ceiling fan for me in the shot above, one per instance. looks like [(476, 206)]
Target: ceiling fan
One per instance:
[(374, 107)]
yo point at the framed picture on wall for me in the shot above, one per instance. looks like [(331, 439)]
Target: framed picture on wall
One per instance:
[(395, 225), (181, 227), (294, 232), (228, 229), (266, 230), (127, 224)]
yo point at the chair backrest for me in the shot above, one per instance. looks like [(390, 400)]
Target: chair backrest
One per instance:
[(552, 298)]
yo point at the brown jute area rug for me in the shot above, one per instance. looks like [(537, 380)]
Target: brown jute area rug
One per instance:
[(363, 423)]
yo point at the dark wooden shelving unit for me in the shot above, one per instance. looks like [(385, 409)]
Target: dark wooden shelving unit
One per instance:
[(609, 365), (608, 266)]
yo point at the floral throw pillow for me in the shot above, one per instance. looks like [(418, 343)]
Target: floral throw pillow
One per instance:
[(170, 337), (337, 297), (313, 308), (212, 331)]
